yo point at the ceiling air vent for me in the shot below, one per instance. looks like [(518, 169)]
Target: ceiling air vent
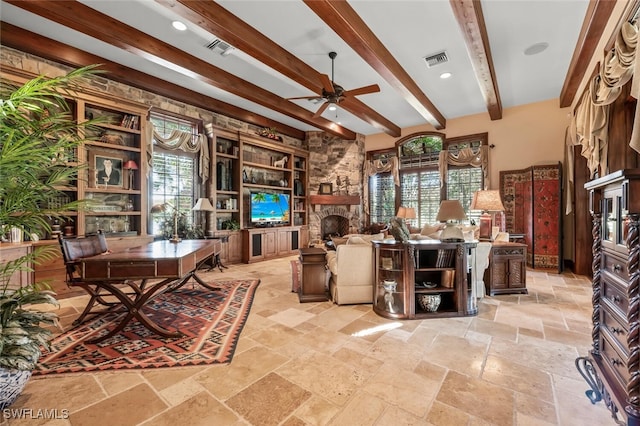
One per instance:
[(436, 59), (220, 46)]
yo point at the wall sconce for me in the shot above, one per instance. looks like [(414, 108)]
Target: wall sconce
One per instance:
[(130, 165), (450, 211), (489, 202)]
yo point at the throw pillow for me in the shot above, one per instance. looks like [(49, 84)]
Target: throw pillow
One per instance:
[(430, 229), (338, 241), (358, 240)]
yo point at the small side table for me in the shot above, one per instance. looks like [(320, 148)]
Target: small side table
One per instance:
[(507, 271), (314, 265)]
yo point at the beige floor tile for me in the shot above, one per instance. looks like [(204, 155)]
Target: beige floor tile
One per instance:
[(513, 364), (199, 410), (269, 400), (130, 407), (518, 377), (481, 399)]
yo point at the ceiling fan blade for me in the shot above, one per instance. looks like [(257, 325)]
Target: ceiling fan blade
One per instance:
[(374, 88), (305, 97), (327, 85), (321, 110)]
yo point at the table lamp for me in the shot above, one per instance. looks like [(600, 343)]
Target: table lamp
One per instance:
[(203, 205), (450, 211), (488, 201), (406, 213), (130, 165)]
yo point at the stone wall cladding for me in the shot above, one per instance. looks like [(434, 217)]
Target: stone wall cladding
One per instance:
[(331, 158)]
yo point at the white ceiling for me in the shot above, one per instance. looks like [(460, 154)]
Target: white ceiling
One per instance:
[(410, 30)]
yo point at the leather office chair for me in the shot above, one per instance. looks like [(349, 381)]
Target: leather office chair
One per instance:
[(74, 249)]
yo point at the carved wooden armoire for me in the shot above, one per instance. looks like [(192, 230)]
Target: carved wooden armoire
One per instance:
[(612, 367)]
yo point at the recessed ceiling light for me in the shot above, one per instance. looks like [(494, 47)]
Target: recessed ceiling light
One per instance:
[(180, 26), (445, 75), (534, 49)]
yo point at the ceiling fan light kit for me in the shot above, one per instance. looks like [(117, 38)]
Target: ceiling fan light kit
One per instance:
[(332, 93)]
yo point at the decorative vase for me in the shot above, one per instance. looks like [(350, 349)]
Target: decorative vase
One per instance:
[(429, 302), (12, 382)]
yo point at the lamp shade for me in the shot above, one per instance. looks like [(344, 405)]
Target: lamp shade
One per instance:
[(203, 205), (406, 212), (130, 165), (159, 208), (488, 200), (450, 210)]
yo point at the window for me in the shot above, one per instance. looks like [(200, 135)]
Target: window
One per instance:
[(174, 178), (419, 176), (420, 184), (382, 197)]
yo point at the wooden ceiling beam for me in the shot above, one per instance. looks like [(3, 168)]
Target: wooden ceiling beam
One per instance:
[(219, 21), (52, 50), (79, 17), (470, 18), (595, 21), (345, 22)]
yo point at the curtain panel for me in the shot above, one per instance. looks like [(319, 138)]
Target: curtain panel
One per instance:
[(372, 168), (465, 157), (590, 121), (183, 141)]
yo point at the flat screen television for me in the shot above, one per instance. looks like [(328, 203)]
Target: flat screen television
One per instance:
[(269, 208)]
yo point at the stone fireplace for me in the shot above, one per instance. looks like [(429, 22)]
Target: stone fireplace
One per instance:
[(339, 162), (333, 221)]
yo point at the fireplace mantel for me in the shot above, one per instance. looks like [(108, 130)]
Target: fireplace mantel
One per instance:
[(334, 200)]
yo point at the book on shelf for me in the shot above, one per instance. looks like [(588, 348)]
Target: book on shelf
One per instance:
[(445, 258)]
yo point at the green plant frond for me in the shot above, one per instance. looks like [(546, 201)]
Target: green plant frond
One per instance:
[(38, 133)]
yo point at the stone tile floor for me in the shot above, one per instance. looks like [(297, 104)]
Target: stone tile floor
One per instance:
[(323, 364)]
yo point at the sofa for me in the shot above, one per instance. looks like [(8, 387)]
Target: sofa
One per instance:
[(351, 267)]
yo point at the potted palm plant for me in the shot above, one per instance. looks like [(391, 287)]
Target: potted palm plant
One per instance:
[(38, 138)]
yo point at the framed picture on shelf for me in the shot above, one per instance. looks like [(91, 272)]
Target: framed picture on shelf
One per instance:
[(325, 189), (106, 169)]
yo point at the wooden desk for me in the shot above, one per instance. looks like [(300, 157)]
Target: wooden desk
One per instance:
[(172, 263)]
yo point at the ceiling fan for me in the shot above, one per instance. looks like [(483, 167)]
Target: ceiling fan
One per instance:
[(333, 93)]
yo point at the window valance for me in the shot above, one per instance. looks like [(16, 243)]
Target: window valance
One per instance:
[(372, 168), (590, 122), (183, 141), (478, 157)]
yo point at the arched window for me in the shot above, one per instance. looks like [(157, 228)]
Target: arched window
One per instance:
[(431, 168)]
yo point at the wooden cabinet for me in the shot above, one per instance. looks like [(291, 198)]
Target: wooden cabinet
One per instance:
[(267, 243), (13, 251), (314, 275), (507, 271), (249, 165), (231, 248), (411, 276), (611, 368)]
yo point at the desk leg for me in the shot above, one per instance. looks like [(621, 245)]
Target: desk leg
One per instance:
[(133, 308), (216, 263)]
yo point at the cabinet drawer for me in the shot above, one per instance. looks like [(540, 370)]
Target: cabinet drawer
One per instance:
[(615, 265), (616, 328), (613, 361), (615, 295)]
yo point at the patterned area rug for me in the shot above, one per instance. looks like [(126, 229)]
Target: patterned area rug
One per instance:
[(211, 323)]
